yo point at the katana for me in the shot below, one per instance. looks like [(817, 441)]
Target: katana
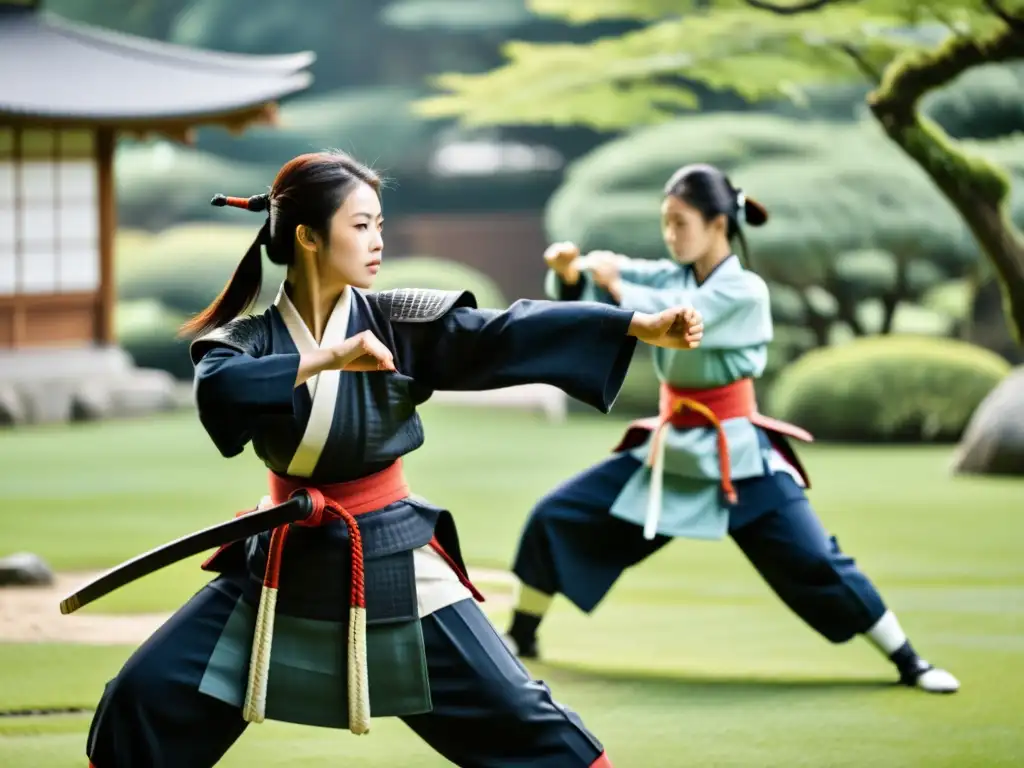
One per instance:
[(297, 508)]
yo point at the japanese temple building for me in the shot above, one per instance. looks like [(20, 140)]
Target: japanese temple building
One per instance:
[(68, 91)]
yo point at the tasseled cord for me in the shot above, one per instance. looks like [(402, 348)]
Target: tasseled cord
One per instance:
[(656, 459), (254, 709)]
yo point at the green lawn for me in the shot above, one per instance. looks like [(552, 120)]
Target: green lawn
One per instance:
[(691, 660)]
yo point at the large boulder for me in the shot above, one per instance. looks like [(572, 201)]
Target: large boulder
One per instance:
[(49, 385), (993, 442), (24, 569)]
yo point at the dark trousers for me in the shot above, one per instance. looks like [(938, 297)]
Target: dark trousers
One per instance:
[(572, 545), (488, 711)]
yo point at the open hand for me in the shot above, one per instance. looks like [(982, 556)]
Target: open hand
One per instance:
[(675, 328), (363, 352)]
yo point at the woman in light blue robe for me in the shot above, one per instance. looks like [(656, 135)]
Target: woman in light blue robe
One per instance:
[(676, 481)]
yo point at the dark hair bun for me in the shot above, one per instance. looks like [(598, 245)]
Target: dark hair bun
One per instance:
[(754, 213)]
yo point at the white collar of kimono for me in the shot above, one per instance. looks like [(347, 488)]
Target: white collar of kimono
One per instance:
[(730, 263), (335, 332), (323, 387)]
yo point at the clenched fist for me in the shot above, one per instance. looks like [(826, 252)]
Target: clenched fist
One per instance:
[(561, 259), (363, 352), (675, 328)]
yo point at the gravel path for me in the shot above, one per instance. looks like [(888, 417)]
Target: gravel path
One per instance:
[(32, 614)]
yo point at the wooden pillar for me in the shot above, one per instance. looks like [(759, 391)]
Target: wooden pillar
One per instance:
[(107, 297), (18, 319)]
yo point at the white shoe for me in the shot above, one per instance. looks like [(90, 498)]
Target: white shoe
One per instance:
[(935, 680)]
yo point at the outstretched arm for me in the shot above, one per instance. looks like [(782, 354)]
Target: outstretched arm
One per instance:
[(572, 277), (582, 348), (736, 308)]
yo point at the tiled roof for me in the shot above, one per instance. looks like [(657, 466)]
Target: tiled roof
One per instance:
[(55, 69)]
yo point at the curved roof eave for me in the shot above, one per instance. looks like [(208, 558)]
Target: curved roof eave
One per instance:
[(73, 72), (166, 113), (243, 62)]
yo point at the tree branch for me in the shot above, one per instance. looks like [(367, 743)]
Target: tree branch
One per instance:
[(911, 77), (862, 63), (1011, 21), (899, 292), (790, 10)]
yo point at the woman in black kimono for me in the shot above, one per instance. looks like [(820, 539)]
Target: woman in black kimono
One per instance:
[(367, 610)]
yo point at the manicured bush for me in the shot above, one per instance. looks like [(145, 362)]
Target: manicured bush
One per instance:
[(887, 389), (147, 331), (185, 268)]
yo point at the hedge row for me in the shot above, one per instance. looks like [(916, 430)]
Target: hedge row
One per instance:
[(887, 389)]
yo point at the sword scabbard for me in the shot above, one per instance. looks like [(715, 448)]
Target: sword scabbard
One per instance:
[(296, 508)]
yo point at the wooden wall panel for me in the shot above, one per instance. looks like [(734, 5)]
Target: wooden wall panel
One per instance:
[(51, 320)]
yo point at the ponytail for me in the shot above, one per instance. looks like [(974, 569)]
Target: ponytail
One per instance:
[(243, 288), (748, 211)]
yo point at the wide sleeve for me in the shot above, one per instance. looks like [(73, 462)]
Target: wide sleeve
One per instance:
[(735, 308), (649, 272), (233, 388), (583, 348)]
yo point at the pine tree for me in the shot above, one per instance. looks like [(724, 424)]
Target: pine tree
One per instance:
[(767, 50)]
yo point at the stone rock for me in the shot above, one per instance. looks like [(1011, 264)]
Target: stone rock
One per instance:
[(12, 407), (91, 402), (25, 366), (25, 569), (141, 392), (41, 386), (48, 401), (993, 442)]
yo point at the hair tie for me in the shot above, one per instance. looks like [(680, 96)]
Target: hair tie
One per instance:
[(256, 203), (741, 205)]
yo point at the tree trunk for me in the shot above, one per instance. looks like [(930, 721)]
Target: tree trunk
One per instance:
[(846, 304), (892, 300), (986, 324), (975, 187), (819, 325)]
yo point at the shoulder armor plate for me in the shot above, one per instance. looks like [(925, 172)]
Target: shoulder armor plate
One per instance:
[(245, 334), (422, 305)]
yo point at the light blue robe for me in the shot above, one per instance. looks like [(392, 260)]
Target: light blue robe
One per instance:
[(737, 317)]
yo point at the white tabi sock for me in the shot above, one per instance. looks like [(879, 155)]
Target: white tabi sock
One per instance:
[(887, 635), (532, 601)]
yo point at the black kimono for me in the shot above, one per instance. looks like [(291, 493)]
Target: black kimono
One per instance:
[(434, 659)]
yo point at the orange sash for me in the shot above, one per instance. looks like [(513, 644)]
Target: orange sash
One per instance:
[(690, 408)]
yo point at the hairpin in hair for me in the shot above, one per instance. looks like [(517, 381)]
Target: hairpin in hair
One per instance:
[(255, 203), (741, 205)]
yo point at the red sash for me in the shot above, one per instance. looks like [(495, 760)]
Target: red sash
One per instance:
[(690, 408), (357, 497), (338, 501)]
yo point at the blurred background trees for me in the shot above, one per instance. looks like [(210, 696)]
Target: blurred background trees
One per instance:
[(503, 124)]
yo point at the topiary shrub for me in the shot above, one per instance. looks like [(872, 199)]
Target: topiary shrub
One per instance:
[(160, 184), (887, 389), (441, 274), (186, 267), (147, 331)]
